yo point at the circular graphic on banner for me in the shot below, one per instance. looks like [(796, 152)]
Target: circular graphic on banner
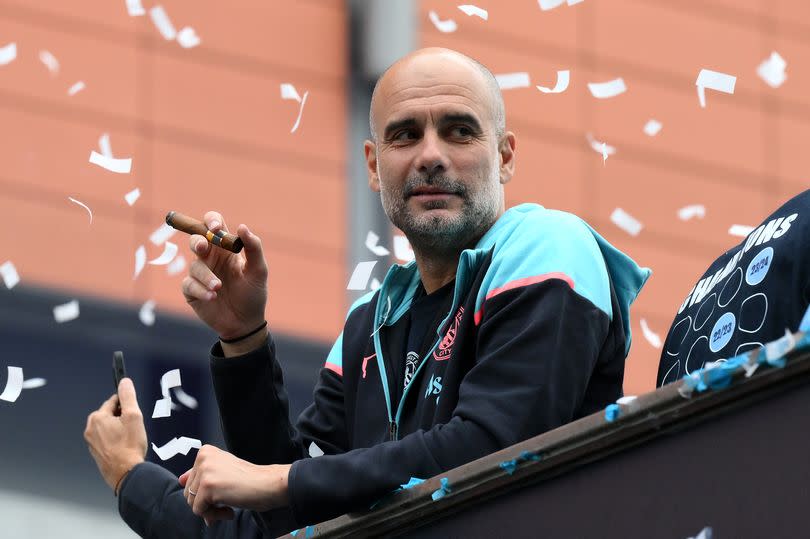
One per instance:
[(753, 311), (730, 289), (705, 312), (677, 335), (698, 355), (759, 266), (722, 332)]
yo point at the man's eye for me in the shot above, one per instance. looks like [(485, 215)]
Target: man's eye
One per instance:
[(461, 131), (403, 136)]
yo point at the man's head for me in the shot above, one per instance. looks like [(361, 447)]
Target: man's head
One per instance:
[(440, 152)]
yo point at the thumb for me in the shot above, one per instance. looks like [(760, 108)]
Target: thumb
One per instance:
[(127, 396)]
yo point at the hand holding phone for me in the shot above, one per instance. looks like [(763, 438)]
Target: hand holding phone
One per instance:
[(119, 372)]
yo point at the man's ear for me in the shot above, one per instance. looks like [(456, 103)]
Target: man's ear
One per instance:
[(371, 163), (506, 149)]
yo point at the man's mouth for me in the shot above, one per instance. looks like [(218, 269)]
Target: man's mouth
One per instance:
[(426, 193)]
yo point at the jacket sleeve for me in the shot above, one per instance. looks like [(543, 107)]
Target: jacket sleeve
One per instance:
[(254, 409), (537, 346)]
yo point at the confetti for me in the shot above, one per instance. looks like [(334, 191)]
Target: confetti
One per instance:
[(162, 22), (652, 127), (185, 399), (626, 400), (50, 62), (140, 261), (135, 9), (34, 383), (375, 284), (689, 212), (509, 81), (600, 147), (474, 11), (740, 230), (612, 412), (76, 88), (288, 91), (147, 313), (300, 112), (177, 265), (10, 276), (371, 243), (443, 491), (104, 145), (176, 446), (605, 90), (188, 38), (713, 80), (314, 450), (132, 196), (546, 5), (442, 26), (361, 275), (163, 406), (626, 222), (168, 254), (563, 78), (8, 54), (649, 334), (14, 384), (119, 166), (66, 312), (163, 233), (402, 249), (705, 533), (83, 205), (772, 70)]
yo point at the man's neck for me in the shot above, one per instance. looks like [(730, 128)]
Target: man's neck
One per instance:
[(436, 271)]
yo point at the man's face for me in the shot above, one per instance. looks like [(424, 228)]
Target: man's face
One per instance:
[(437, 158)]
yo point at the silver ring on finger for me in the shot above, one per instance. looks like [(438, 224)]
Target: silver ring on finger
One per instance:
[(191, 492)]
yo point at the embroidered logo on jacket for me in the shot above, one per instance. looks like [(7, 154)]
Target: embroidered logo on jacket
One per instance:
[(442, 353)]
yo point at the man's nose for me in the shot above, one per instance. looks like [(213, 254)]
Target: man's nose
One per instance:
[(432, 158)]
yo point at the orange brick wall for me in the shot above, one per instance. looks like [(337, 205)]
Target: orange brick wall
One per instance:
[(206, 129), (741, 156)]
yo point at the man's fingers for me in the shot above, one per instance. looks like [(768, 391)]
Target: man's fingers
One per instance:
[(199, 245), (184, 478), (109, 405), (214, 221), (255, 263), (200, 271), (194, 289), (127, 396)]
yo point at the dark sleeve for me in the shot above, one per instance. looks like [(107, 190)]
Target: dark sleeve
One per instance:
[(254, 409), (537, 346)]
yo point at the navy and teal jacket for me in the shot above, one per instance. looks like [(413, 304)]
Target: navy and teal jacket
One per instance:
[(536, 337)]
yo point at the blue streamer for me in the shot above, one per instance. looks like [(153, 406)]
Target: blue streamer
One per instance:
[(612, 412), (443, 491), (294, 532), (509, 466), (804, 325), (310, 532)]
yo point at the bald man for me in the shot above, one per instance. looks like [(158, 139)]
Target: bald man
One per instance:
[(508, 324)]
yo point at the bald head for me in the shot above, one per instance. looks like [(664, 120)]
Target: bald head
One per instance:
[(438, 62)]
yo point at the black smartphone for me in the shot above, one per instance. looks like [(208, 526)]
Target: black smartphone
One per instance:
[(119, 372)]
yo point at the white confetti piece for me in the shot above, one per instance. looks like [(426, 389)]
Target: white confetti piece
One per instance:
[(402, 249), (375, 284), (442, 26), (146, 313), (705, 533), (8, 54), (650, 335), (361, 275), (132, 196), (10, 276), (168, 254), (772, 70), (574, 2), (163, 406), (135, 9), (713, 80), (177, 265), (740, 230), (104, 145), (66, 312), (83, 205), (509, 81), (34, 383), (780, 347), (602, 148), (188, 38), (163, 233), (476, 11), (371, 243), (690, 212), (185, 399), (652, 127), (300, 112), (626, 400), (608, 89), (50, 62), (563, 79), (140, 260), (546, 5), (76, 88), (119, 166), (176, 446), (314, 450), (163, 23), (288, 91), (626, 222), (14, 384)]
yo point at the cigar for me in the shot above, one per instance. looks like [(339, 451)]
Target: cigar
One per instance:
[(189, 225)]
